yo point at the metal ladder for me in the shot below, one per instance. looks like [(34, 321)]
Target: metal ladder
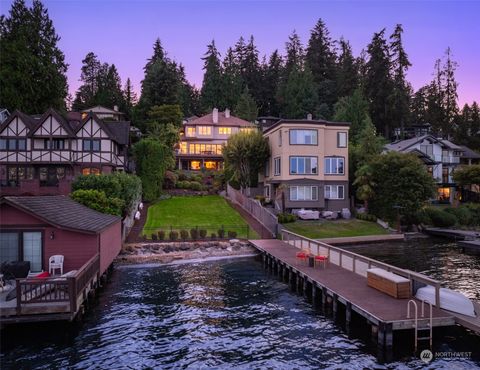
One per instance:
[(429, 325)]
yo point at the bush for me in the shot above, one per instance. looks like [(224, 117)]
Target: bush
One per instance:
[(183, 185), (221, 233), (285, 218), (97, 200), (203, 233), (213, 236), (195, 185), (232, 234), (463, 215), (441, 218), (196, 178), (170, 180), (366, 217), (474, 209), (194, 234), (182, 176), (161, 235), (173, 235), (154, 236), (184, 234)]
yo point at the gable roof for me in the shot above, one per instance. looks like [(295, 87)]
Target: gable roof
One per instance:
[(403, 145), (120, 130), (207, 120), (26, 119), (102, 110), (101, 123), (469, 153), (63, 122), (305, 122), (62, 212)]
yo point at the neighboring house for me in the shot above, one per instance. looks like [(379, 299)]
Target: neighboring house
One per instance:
[(440, 156), (201, 140), (4, 113), (104, 113), (41, 155), (469, 156), (308, 164), (35, 228)]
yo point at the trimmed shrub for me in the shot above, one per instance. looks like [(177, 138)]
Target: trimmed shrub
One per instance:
[(196, 178), (184, 234), (463, 215), (441, 218), (203, 233), (221, 233), (194, 234), (154, 236), (195, 185), (182, 176), (232, 234), (161, 235), (173, 235), (285, 218), (213, 236)]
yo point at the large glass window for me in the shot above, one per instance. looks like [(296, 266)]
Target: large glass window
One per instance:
[(303, 165), (303, 137), (204, 130), (32, 250), (55, 144), (17, 173), (334, 192), (299, 193), (334, 165), (341, 139), (278, 167), (91, 171), (9, 247), (191, 131), (225, 130), (18, 246), (91, 145)]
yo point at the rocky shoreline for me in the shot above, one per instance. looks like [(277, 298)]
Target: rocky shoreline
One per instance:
[(138, 253)]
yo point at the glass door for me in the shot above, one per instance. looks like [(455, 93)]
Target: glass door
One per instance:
[(32, 250)]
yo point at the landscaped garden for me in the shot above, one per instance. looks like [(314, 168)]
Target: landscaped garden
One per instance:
[(195, 217), (333, 229)]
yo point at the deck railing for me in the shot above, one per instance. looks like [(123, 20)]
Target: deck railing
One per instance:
[(57, 289), (355, 262)]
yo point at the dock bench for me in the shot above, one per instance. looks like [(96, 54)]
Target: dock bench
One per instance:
[(387, 282)]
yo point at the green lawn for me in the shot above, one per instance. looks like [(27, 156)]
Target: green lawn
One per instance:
[(207, 212), (335, 229)]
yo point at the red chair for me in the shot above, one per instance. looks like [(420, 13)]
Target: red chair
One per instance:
[(302, 256), (321, 259)]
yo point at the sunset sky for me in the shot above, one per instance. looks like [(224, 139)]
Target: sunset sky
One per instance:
[(123, 32)]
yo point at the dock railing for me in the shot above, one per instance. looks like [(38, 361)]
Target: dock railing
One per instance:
[(69, 290), (355, 262)]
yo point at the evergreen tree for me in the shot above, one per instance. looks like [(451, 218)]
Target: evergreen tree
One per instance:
[(295, 54), (232, 81), (250, 69), (110, 92), (419, 106), (32, 69), (130, 98), (272, 82), (299, 95), (347, 70), (353, 109), (212, 94), (450, 92), (188, 95), (246, 107), (90, 78), (401, 90), (378, 84)]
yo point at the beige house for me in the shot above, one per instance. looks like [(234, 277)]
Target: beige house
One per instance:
[(201, 140), (308, 164)]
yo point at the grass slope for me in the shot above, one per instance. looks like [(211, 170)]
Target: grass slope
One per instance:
[(335, 229), (209, 212)]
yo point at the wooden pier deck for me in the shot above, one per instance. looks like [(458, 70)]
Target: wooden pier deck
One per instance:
[(474, 244), (350, 240)]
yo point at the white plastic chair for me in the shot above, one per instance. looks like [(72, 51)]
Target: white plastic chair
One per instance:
[(55, 262)]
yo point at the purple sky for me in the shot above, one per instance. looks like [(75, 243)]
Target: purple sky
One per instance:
[(123, 32)]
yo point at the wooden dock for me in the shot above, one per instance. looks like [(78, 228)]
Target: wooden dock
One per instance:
[(453, 233), (473, 244), (343, 281), (352, 240)]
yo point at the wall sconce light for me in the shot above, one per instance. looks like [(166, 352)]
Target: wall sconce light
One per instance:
[(52, 235)]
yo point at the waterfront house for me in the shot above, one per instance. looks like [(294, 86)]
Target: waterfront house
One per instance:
[(308, 164), (440, 156), (104, 113), (201, 139), (42, 154)]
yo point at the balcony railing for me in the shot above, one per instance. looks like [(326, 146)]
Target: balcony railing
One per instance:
[(450, 159)]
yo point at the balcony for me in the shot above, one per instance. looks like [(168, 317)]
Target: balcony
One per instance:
[(450, 159)]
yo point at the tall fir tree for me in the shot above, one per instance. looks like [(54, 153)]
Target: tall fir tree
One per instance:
[(90, 78), (450, 91), (32, 69), (129, 97), (246, 107), (212, 94), (272, 82), (299, 95), (110, 92), (232, 81), (347, 70), (295, 54)]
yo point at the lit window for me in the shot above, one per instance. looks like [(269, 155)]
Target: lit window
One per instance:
[(195, 165), (211, 165), (334, 192), (204, 130), (299, 193), (225, 130), (277, 166), (191, 131), (247, 129), (341, 139), (303, 165), (334, 166), (183, 148), (303, 137), (90, 171)]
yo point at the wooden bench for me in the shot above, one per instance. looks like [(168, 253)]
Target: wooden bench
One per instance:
[(387, 282)]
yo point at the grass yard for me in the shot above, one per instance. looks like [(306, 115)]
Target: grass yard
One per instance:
[(335, 229), (207, 212)]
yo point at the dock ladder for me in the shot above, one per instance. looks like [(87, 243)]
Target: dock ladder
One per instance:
[(427, 326)]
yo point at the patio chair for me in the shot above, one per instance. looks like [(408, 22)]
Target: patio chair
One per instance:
[(320, 259), (302, 256), (55, 262)]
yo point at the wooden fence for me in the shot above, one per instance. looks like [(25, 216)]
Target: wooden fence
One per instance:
[(357, 263), (254, 209)]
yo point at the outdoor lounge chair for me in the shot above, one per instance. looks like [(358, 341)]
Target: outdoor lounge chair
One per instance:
[(55, 262)]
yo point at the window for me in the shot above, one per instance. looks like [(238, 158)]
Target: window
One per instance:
[(277, 166), (427, 149), (333, 191), (55, 144), (22, 246), (266, 191), (3, 144), (280, 137), (191, 131), (32, 250), (204, 130), (334, 166), (445, 176), (13, 144), (341, 139), (90, 145), (15, 174), (195, 165), (9, 247), (303, 165), (211, 165), (183, 148), (90, 171), (225, 130), (299, 193), (303, 137), (49, 176), (267, 168), (247, 129)]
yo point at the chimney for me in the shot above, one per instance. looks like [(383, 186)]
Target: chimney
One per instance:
[(115, 108), (215, 115), (309, 116), (227, 113)]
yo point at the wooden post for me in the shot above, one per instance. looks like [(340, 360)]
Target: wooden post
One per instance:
[(285, 272), (324, 298), (335, 306), (298, 283), (314, 295), (348, 317), (381, 336), (19, 296), (290, 278), (437, 295), (305, 286)]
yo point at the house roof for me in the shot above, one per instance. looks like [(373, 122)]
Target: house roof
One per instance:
[(469, 153), (120, 131), (403, 145), (29, 122), (62, 120), (62, 212), (99, 109), (305, 122), (222, 121)]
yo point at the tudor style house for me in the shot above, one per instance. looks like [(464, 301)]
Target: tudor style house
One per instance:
[(42, 154), (201, 139), (308, 164), (440, 156)]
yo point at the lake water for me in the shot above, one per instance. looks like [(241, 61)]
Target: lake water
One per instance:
[(218, 314)]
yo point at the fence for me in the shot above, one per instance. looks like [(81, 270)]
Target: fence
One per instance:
[(254, 209), (196, 232), (356, 262)]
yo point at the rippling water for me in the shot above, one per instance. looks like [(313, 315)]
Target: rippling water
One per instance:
[(221, 314)]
